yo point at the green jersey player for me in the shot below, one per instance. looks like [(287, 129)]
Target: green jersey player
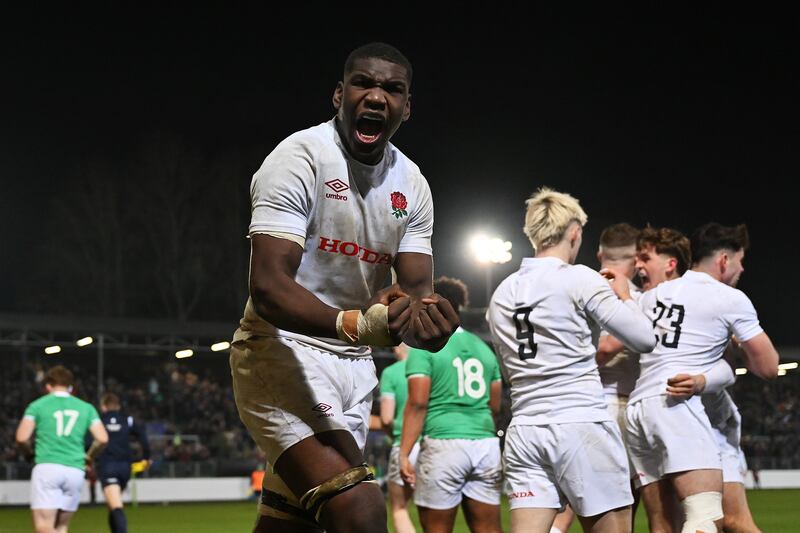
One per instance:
[(60, 422), (451, 398)]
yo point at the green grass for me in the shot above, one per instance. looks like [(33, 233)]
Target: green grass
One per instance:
[(776, 511)]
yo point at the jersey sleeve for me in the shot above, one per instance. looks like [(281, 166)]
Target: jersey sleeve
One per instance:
[(719, 376), (31, 412), (742, 317), (419, 231), (496, 371), (624, 320), (282, 189), (387, 384), (418, 363), (94, 416)]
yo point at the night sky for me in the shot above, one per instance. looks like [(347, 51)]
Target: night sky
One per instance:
[(644, 120)]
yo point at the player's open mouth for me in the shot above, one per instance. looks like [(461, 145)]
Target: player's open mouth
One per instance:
[(643, 278), (369, 128)]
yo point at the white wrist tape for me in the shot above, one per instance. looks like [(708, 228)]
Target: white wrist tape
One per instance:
[(365, 329)]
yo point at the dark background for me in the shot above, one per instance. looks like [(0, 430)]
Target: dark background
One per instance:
[(128, 137)]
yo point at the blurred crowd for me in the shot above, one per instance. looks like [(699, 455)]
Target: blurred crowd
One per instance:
[(190, 414)]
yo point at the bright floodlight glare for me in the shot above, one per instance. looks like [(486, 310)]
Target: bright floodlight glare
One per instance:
[(219, 346), (741, 371), (50, 350), (86, 341), (181, 354), (787, 366), (781, 372), (490, 249)]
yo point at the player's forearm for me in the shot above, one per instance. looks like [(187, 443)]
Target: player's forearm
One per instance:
[(288, 305), (607, 348), (413, 422)]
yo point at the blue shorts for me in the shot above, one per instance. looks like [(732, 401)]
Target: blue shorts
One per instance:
[(114, 473)]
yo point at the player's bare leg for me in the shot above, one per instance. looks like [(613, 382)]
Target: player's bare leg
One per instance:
[(695, 482), (662, 507), (317, 459), (113, 496), (62, 521), (399, 496), (44, 520), (738, 518), (530, 520), (564, 520), (116, 517), (437, 520), (481, 517), (614, 521)]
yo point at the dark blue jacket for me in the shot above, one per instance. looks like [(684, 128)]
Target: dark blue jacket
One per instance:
[(120, 428)]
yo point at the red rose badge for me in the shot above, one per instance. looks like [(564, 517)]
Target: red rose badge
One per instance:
[(399, 205)]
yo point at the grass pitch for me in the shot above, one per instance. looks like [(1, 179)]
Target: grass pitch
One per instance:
[(775, 511)]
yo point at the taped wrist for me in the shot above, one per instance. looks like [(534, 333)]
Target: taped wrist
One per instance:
[(365, 329)]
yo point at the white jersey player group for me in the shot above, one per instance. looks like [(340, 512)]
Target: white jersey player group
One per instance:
[(659, 424), (337, 209)]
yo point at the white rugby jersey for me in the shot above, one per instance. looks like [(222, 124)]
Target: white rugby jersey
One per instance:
[(618, 376), (693, 319), (355, 219), (540, 322)]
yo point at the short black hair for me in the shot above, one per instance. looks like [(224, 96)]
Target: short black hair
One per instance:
[(712, 237), (453, 289), (618, 235), (380, 51)]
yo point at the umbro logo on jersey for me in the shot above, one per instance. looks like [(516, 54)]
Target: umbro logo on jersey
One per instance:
[(352, 249), (523, 494), (322, 407), (337, 186)]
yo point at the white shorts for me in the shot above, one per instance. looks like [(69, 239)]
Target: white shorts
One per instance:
[(666, 436), (580, 463), (393, 469), (616, 408), (286, 391), (56, 486), (726, 424), (449, 468)]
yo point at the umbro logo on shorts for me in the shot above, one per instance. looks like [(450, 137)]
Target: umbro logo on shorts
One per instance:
[(322, 407), (337, 186), (523, 494)]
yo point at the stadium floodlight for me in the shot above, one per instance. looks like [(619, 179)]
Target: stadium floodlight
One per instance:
[(182, 354), (51, 350), (741, 371), (781, 372), (787, 366), (86, 341), (490, 249), (219, 346)]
